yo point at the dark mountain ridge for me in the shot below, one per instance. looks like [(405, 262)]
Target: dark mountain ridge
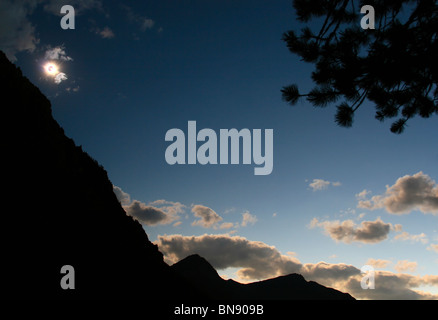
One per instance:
[(289, 287), (61, 210)]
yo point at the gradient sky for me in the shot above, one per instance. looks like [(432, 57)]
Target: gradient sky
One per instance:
[(139, 68)]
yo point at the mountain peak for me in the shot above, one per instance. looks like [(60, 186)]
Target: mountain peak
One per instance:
[(294, 286), (196, 267)]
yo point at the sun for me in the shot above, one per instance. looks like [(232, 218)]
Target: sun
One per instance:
[(51, 69)]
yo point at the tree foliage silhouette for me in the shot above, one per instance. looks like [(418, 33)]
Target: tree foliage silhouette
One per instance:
[(393, 66)]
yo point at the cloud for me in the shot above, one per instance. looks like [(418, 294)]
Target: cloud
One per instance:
[(347, 231), (391, 286), (16, 31), (378, 263), (208, 217), (146, 23), (363, 194), (406, 236), (258, 260), (122, 196), (54, 6), (248, 218), (328, 273), (406, 266), (143, 22), (170, 207), (59, 77), (57, 53), (416, 192), (147, 215), (319, 184), (156, 212), (433, 247), (72, 89), (227, 225), (105, 33)]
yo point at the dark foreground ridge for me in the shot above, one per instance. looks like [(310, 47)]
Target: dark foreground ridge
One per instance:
[(59, 209), (203, 276)]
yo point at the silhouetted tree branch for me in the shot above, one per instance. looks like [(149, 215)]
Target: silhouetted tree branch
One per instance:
[(392, 66)]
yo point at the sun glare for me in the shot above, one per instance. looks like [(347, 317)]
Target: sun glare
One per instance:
[(51, 69)]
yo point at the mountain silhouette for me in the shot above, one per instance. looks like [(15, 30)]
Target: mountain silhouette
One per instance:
[(204, 277), (59, 209)]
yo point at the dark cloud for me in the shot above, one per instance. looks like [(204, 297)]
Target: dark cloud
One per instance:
[(207, 217), (323, 271), (347, 231), (147, 215), (416, 192), (157, 212), (258, 260), (392, 286), (17, 33)]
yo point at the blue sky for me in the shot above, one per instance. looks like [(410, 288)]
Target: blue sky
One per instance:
[(138, 69)]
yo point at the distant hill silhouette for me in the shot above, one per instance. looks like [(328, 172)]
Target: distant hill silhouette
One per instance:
[(200, 273), (59, 209)]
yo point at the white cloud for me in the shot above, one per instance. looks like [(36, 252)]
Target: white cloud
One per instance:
[(56, 53), (363, 194), (320, 184), (122, 196), (347, 231), (226, 225), (378, 263), (248, 218), (416, 192), (433, 247), (59, 77), (406, 236), (406, 266)]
